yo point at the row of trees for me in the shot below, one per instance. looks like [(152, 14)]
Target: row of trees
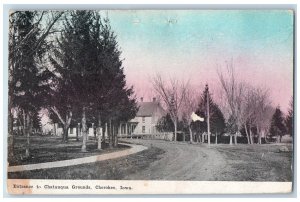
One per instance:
[(248, 110), (250, 107), (71, 68)]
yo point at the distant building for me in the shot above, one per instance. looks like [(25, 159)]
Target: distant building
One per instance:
[(143, 124), (145, 121)]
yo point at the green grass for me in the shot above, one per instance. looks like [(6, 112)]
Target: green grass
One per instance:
[(242, 162), (49, 149), (114, 169), (256, 162)]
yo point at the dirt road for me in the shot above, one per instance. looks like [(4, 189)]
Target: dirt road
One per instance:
[(181, 162), (164, 160)]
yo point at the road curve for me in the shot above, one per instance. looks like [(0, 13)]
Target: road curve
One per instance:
[(181, 161), (71, 162)]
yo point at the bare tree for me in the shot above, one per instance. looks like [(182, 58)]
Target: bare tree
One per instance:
[(263, 112), (172, 94), (233, 93), (191, 99), (248, 112)]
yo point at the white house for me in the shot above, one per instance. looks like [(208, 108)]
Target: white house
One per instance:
[(143, 124), (145, 121)]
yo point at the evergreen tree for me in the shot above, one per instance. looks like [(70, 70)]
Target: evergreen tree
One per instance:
[(114, 101), (216, 118), (277, 128), (217, 122), (165, 124), (92, 79), (290, 118), (28, 77)]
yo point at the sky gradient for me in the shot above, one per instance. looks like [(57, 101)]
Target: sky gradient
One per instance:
[(193, 44)]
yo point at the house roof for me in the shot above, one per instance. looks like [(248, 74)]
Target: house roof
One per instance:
[(149, 108)]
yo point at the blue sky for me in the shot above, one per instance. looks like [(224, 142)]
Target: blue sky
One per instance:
[(193, 43)]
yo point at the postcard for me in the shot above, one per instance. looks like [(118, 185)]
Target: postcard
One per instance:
[(150, 101)]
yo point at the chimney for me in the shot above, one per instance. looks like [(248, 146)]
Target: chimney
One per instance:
[(154, 99), (142, 99)]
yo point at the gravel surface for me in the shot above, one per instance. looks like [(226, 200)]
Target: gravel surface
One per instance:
[(223, 162)]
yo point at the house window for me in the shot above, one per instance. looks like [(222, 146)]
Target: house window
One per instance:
[(71, 130), (143, 119), (143, 129)]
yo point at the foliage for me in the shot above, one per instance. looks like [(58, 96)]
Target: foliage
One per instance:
[(231, 126), (277, 124), (289, 119), (165, 124), (217, 121), (28, 78)]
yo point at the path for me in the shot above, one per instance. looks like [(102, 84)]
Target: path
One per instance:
[(181, 161), (78, 161)]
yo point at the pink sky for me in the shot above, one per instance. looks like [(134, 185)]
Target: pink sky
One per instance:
[(196, 43)]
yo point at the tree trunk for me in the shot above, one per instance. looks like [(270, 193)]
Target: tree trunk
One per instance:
[(99, 132), (116, 136), (66, 129), (24, 124), (27, 152), (94, 131), (77, 132), (175, 130), (202, 139), (280, 138), (67, 134), (191, 134), (54, 129), (64, 134), (235, 137), (113, 134), (11, 132), (84, 130), (251, 136), (262, 135), (105, 133), (246, 130), (259, 134), (265, 137), (110, 134), (230, 140), (216, 142)]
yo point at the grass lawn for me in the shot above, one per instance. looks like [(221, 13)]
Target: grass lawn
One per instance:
[(256, 162), (242, 162), (48, 149), (114, 169)]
